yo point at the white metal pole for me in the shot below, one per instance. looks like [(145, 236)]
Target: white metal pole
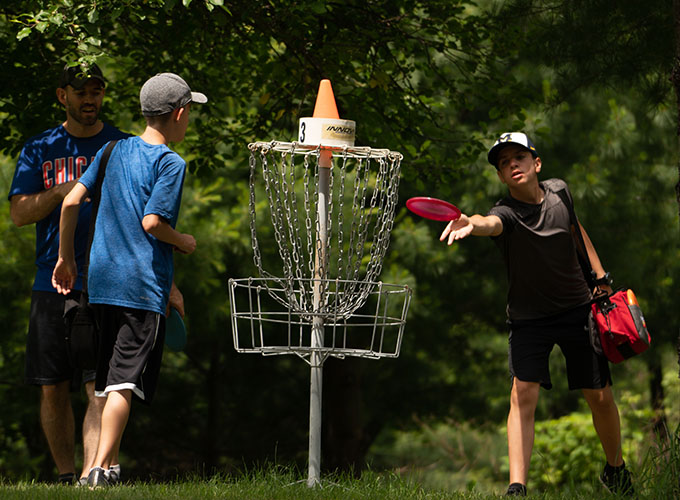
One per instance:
[(316, 358)]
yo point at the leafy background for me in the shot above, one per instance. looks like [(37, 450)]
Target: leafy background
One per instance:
[(437, 81)]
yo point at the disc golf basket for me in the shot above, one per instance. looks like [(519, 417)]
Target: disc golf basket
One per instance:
[(331, 210)]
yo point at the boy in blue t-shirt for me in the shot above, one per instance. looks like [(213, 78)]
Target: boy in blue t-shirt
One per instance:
[(131, 268)]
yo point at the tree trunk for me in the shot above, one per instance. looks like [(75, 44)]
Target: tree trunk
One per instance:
[(342, 443), (675, 79), (210, 452)]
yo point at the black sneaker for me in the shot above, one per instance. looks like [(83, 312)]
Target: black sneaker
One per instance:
[(97, 478), (516, 490), (617, 480), (68, 478)]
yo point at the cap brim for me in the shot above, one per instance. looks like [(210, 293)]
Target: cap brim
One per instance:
[(81, 82), (492, 156), (493, 153), (199, 98)]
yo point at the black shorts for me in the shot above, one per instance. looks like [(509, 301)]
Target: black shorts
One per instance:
[(532, 341), (130, 350), (47, 357)]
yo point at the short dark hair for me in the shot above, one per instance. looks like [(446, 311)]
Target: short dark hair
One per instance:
[(158, 119)]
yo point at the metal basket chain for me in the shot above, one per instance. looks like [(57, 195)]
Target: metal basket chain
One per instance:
[(354, 259), (329, 236), (341, 213), (359, 232), (308, 211), (391, 190), (271, 177), (317, 230), (257, 258), (374, 200), (382, 230), (377, 203), (308, 225), (362, 172), (359, 218), (290, 211)]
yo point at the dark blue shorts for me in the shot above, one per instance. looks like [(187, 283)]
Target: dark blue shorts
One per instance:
[(531, 343), (47, 357)]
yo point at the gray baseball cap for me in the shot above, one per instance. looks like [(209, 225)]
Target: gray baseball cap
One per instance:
[(166, 92)]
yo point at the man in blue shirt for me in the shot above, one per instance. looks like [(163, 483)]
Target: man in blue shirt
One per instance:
[(48, 167)]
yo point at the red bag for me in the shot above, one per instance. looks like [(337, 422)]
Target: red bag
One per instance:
[(617, 326)]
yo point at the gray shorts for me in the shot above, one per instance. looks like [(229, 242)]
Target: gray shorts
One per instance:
[(130, 350), (47, 357), (531, 343)]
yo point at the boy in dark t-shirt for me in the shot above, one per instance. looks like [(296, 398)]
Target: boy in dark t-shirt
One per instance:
[(548, 304)]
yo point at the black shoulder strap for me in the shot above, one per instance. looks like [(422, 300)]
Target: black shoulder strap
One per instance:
[(581, 251), (95, 196)]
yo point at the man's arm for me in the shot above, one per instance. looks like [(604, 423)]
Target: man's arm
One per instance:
[(30, 208), (160, 229), (66, 271), (475, 225)]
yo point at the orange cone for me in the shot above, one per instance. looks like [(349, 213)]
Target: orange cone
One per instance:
[(325, 106)]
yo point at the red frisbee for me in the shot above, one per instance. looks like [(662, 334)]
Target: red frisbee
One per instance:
[(433, 208)]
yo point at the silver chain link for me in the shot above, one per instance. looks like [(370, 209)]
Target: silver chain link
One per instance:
[(344, 272)]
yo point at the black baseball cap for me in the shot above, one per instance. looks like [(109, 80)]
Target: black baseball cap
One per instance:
[(78, 76)]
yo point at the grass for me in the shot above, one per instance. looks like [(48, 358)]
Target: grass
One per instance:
[(279, 483), (444, 460)]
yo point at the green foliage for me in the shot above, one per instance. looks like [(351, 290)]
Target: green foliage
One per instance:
[(597, 42), (18, 431), (445, 454), (567, 457), (418, 77), (567, 450), (432, 79), (661, 468)]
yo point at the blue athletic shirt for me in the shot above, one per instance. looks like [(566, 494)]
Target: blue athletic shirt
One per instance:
[(48, 159), (128, 266)]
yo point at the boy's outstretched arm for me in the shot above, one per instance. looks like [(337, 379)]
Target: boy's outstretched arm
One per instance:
[(156, 226), (66, 272), (476, 225)]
